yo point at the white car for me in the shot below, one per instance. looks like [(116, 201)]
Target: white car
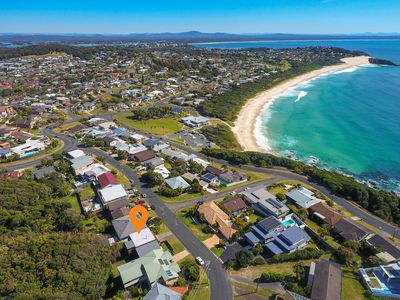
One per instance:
[(200, 261)]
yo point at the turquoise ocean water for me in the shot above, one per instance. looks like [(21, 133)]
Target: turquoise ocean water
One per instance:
[(348, 120)]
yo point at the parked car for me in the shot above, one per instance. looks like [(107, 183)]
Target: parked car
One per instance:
[(200, 261)]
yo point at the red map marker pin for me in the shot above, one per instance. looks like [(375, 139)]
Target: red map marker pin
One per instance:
[(138, 216)]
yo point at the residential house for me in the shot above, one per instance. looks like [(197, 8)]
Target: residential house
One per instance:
[(235, 205), (265, 203), (302, 197), (192, 121), (349, 231), (142, 156), (288, 241), (215, 215), (106, 179), (142, 242), (324, 213), (123, 227), (211, 179), (264, 231), (387, 250), (189, 177), (111, 193), (75, 154), (155, 266), (176, 182), (40, 173), (80, 163), (229, 178), (154, 162), (382, 281), (137, 138), (214, 170), (120, 212), (161, 292), (117, 204), (325, 278)]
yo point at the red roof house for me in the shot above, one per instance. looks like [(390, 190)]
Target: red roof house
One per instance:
[(106, 179)]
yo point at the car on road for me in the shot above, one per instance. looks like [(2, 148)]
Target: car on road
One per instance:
[(200, 261)]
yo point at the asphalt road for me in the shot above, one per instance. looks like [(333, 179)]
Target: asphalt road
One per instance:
[(387, 228), (217, 275), (175, 206)]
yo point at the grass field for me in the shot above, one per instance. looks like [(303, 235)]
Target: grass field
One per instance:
[(196, 229), (352, 287), (182, 197), (254, 272), (86, 193), (217, 250), (175, 244), (244, 291), (161, 126), (73, 200)]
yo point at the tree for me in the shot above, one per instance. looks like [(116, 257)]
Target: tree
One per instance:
[(190, 271), (122, 155), (152, 178), (347, 256), (300, 272), (257, 249), (195, 167), (244, 258)]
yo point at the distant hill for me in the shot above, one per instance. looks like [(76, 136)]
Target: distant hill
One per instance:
[(189, 36)]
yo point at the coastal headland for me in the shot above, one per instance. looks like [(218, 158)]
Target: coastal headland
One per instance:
[(245, 123)]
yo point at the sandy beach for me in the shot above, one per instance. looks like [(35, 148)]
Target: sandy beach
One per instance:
[(245, 123)]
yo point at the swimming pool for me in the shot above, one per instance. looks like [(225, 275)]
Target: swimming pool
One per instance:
[(288, 223)]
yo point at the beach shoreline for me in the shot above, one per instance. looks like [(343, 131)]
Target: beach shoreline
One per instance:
[(248, 119)]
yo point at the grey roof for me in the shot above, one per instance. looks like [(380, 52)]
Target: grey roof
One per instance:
[(350, 231), (302, 197), (81, 161), (288, 240), (264, 230), (271, 206), (258, 193), (123, 227), (327, 284), (177, 182), (161, 292), (146, 248), (40, 173), (384, 245)]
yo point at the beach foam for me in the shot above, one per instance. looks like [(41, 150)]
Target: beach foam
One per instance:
[(301, 95)]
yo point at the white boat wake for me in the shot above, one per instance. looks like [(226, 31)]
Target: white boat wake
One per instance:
[(300, 95)]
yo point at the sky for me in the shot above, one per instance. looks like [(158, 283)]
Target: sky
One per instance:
[(233, 16)]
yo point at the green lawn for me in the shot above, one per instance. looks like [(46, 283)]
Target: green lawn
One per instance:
[(73, 200), (254, 272), (86, 193), (352, 287), (182, 197), (161, 126), (175, 244), (242, 290), (217, 250), (196, 229)]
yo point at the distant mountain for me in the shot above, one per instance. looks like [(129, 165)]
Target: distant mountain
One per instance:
[(189, 36)]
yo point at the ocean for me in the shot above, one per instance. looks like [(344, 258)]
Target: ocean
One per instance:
[(348, 120)]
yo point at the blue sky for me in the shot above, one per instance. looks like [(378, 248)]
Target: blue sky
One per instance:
[(234, 16)]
